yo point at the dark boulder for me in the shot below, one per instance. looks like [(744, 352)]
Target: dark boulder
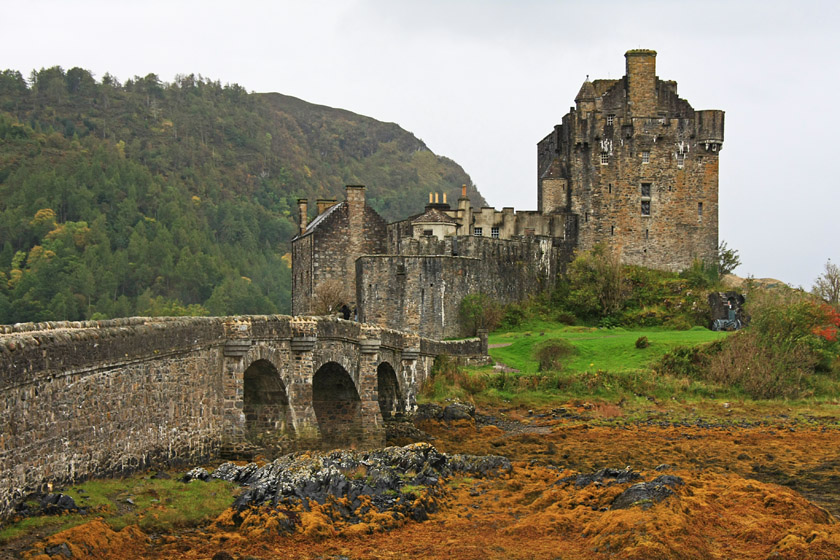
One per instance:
[(459, 411), (645, 494), (605, 477), (53, 504)]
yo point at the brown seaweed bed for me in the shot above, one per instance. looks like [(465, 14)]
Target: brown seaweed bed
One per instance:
[(762, 490)]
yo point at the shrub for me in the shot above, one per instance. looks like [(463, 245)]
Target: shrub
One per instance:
[(761, 371), (608, 322), (550, 353), (447, 377), (328, 297), (701, 275), (678, 324), (644, 317), (565, 318), (642, 342), (479, 311), (514, 315), (596, 283)]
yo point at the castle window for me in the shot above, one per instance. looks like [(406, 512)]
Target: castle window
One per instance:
[(428, 233), (610, 120), (612, 230), (605, 158), (647, 234), (645, 190), (477, 232), (699, 209), (646, 208), (680, 161), (645, 156), (610, 188), (494, 232)]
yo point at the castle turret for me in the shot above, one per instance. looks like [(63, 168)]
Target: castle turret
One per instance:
[(585, 99), (708, 127), (641, 82)]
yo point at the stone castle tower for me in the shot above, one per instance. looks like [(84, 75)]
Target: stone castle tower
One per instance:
[(638, 166)]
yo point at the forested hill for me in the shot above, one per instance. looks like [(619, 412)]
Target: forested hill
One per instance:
[(153, 198)]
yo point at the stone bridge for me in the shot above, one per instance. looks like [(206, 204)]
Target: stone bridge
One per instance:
[(103, 397)]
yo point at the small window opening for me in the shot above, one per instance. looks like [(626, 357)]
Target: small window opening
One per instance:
[(612, 230), (645, 156), (610, 188), (605, 158), (646, 190), (610, 120), (699, 209), (647, 234), (680, 161), (477, 232), (427, 233), (646, 208), (494, 232)]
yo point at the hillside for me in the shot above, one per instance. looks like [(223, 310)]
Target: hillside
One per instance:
[(150, 198)]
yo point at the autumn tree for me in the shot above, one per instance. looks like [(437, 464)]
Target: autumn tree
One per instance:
[(827, 285)]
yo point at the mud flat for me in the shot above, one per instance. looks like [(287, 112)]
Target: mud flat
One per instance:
[(577, 482)]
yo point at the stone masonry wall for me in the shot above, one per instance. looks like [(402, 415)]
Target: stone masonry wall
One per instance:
[(302, 275), (79, 402), (423, 293)]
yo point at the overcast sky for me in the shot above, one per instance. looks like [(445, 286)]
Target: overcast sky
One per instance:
[(482, 82)]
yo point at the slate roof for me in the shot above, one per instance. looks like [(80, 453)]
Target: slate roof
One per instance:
[(586, 93), (434, 216), (314, 223)]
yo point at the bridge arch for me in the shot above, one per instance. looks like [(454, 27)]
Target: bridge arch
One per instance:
[(268, 414), (337, 405), (391, 400)]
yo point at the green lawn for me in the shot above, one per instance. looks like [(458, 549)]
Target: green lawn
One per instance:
[(609, 350), (605, 365)]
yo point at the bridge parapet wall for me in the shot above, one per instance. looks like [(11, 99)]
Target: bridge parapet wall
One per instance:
[(81, 399), (29, 351)]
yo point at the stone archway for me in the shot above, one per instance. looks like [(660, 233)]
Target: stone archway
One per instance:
[(266, 404), (337, 405), (391, 402)]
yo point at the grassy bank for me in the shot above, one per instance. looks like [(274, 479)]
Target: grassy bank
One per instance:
[(153, 504), (543, 363)]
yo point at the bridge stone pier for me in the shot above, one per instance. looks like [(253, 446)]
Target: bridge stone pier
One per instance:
[(103, 397)]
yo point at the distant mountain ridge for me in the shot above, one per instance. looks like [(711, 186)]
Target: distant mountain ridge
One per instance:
[(149, 198)]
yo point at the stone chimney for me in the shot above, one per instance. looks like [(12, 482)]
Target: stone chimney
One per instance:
[(302, 212), (641, 82), (464, 211), (356, 238)]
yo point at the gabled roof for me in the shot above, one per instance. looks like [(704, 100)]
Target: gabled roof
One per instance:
[(586, 93), (317, 221), (434, 216)]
